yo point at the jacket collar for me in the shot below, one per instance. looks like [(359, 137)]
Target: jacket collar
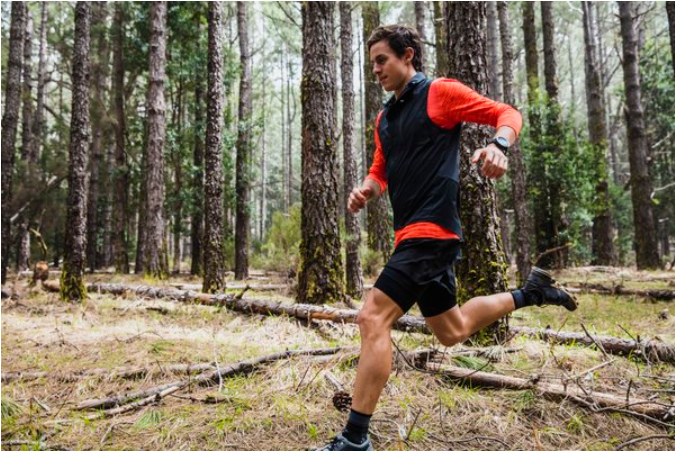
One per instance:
[(416, 80)]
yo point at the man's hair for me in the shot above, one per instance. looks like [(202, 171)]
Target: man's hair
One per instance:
[(399, 37)]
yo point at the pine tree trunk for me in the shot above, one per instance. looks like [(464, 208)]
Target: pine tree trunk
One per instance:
[(523, 222), (214, 259), (154, 164), (353, 278), (646, 246), (482, 269), (377, 210), (493, 52), (27, 142), (99, 82), (670, 10), (197, 223), (177, 125), (320, 275), (603, 248), (72, 285), (420, 18), (243, 182), (10, 120), (553, 141), (121, 178), (441, 40), (38, 123)]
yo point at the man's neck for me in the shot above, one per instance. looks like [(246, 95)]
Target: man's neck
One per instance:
[(399, 91)]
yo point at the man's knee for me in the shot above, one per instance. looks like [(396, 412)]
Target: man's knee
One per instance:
[(450, 338), (377, 315)]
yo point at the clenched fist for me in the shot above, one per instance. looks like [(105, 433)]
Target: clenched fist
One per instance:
[(358, 198)]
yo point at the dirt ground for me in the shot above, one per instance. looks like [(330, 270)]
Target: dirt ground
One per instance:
[(287, 405)]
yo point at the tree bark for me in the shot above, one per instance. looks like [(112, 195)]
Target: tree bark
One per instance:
[(493, 52), (670, 10), (646, 246), (72, 285), (353, 277), (320, 277), (377, 210), (243, 182), (10, 121), (482, 269), (27, 141), (441, 40), (154, 164), (38, 123), (603, 247), (420, 19), (214, 259), (523, 222), (197, 223), (100, 80), (121, 173)]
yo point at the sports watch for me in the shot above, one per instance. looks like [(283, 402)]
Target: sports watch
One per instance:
[(502, 143)]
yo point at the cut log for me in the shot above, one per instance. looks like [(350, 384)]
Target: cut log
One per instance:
[(120, 372), (646, 348), (147, 396), (259, 288), (653, 294), (552, 391), (649, 349)]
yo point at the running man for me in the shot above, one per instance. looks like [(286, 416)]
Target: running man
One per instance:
[(417, 159)]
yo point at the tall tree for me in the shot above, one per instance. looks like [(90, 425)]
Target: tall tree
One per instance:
[(243, 182), (214, 258), (441, 40), (98, 117), (353, 279), (548, 156), (420, 19), (379, 225), (482, 270), (492, 50), (670, 10), (523, 222), (646, 246), (10, 121), (72, 286), (320, 275), (27, 141), (38, 123), (603, 247), (197, 220), (121, 173), (154, 163)]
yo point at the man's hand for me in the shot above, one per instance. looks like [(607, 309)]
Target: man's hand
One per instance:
[(358, 198), (494, 161)]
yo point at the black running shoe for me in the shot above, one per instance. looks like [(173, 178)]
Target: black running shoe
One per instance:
[(342, 443), (542, 286)]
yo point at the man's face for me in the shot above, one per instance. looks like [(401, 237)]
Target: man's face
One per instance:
[(391, 71)]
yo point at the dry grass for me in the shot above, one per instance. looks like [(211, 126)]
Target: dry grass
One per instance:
[(287, 405)]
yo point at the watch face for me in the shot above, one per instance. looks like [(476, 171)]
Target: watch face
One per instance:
[(502, 141)]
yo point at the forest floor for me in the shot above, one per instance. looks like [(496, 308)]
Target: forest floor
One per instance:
[(287, 404)]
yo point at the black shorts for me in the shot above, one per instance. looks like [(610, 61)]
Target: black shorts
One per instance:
[(422, 271)]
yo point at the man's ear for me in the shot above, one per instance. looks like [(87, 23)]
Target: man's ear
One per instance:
[(409, 54)]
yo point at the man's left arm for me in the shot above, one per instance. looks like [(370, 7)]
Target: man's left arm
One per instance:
[(451, 102)]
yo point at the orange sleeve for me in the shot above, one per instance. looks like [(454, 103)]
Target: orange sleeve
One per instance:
[(451, 102), (377, 169)]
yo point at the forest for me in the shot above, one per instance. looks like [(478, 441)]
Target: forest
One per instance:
[(180, 269)]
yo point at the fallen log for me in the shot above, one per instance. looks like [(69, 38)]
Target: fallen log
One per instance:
[(645, 348), (552, 391), (653, 294), (147, 396), (260, 288), (120, 372)]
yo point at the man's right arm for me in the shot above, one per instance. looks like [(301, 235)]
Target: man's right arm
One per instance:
[(375, 182)]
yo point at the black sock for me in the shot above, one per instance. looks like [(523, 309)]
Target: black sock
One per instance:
[(523, 298), (356, 430)]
